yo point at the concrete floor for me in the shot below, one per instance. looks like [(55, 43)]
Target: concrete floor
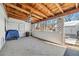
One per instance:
[(71, 52), (72, 38), (29, 46)]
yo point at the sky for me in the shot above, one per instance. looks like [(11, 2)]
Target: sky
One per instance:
[(72, 17)]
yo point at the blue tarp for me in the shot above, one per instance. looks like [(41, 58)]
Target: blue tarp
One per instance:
[(12, 34)]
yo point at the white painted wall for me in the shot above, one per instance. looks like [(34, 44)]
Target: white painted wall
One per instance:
[(70, 30), (71, 27), (3, 16), (55, 36), (49, 36), (19, 25)]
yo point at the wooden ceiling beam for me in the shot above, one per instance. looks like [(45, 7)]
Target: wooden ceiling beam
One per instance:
[(15, 16), (55, 9), (59, 7), (34, 19), (64, 14), (11, 16), (16, 13), (26, 6), (48, 8), (64, 8), (52, 7), (19, 13), (76, 5), (42, 9), (68, 6), (22, 10)]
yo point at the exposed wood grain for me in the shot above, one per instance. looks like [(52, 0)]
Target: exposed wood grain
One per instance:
[(22, 10), (59, 7), (40, 11)]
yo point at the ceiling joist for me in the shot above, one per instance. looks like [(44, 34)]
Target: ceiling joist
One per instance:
[(59, 7), (26, 6), (76, 5), (48, 9), (22, 10), (16, 16), (40, 11), (64, 14), (43, 9)]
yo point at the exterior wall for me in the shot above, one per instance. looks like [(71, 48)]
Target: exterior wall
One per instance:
[(71, 30), (21, 26), (3, 17), (71, 27)]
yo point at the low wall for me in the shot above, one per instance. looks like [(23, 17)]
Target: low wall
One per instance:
[(49, 36)]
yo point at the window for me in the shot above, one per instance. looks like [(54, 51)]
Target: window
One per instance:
[(48, 26)]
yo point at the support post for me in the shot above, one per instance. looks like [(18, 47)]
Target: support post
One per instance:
[(60, 29)]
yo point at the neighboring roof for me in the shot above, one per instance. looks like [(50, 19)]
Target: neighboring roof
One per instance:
[(40, 11), (71, 23)]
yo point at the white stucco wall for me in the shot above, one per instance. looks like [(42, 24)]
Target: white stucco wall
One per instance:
[(3, 16), (19, 25)]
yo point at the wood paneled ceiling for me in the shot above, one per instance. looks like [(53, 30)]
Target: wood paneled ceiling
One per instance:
[(40, 11)]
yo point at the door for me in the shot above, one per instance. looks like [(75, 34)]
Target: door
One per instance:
[(21, 29)]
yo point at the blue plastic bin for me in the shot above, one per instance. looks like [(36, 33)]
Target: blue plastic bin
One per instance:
[(12, 34)]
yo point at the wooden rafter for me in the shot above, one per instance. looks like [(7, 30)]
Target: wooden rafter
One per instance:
[(16, 16), (48, 8), (34, 19), (22, 10), (43, 9), (52, 7), (64, 7), (59, 7), (64, 14), (76, 5), (68, 6), (26, 6), (16, 12)]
